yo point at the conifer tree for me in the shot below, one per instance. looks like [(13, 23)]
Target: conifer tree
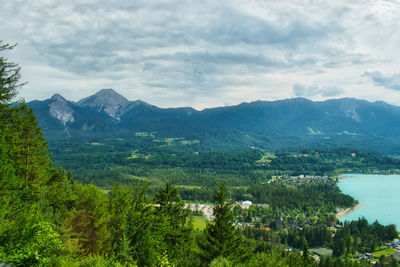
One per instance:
[(29, 150), (221, 238), (89, 220), (28, 232), (9, 76), (7, 172), (120, 203), (176, 233), (143, 230)]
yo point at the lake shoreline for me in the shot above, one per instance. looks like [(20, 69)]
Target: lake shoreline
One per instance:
[(344, 212), (377, 193), (348, 177)]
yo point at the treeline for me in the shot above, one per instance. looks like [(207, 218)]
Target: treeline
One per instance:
[(327, 161), (307, 196), (312, 236), (360, 236), (145, 152), (49, 219), (123, 161)]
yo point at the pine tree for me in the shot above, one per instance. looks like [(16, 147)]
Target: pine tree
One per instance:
[(29, 151), (143, 230), (120, 203), (176, 233), (9, 77), (220, 237), (89, 220), (7, 172)]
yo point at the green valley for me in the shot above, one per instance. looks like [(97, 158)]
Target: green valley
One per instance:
[(144, 199)]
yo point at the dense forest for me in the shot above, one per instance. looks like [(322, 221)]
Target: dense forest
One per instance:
[(361, 236), (197, 171), (47, 218)]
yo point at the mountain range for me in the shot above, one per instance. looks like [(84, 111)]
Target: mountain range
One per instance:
[(296, 122)]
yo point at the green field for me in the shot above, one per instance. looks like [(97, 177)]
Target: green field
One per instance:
[(188, 186), (386, 252), (322, 251)]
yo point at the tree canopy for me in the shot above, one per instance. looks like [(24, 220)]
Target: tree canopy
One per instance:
[(9, 76)]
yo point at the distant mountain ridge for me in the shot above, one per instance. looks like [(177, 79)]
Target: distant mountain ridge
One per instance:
[(107, 113)]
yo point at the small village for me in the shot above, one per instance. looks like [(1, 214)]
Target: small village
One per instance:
[(391, 249), (301, 179)]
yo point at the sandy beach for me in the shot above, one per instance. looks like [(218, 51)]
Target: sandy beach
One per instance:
[(348, 177), (343, 212)]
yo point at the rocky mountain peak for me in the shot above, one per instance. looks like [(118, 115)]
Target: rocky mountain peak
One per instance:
[(106, 100), (58, 97), (61, 110)]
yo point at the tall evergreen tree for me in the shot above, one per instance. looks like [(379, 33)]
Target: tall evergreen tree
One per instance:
[(143, 230), (89, 220), (176, 233), (121, 198), (29, 151), (9, 77), (29, 222), (221, 238)]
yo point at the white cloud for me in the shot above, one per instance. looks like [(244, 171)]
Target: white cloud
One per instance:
[(202, 53)]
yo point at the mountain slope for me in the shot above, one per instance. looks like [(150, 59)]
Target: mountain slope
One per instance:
[(60, 119), (336, 122)]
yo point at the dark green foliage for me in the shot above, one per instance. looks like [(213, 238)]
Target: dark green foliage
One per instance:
[(313, 236), (339, 262), (32, 190), (105, 162), (136, 235), (221, 238), (308, 195), (143, 231), (88, 220), (279, 125), (177, 234), (28, 238), (9, 76), (30, 148), (359, 236), (48, 219), (148, 233), (120, 200), (274, 255)]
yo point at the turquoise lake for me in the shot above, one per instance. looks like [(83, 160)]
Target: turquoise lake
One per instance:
[(379, 197)]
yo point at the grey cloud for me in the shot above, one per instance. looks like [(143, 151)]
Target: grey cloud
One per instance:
[(387, 81), (232, 27), (204, 70), (91, 43), (182, 45), (314, 89)]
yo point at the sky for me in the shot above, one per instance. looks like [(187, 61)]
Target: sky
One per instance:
[(204, 53)]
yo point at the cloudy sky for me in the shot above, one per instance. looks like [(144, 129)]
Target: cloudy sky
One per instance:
[(204, 53)]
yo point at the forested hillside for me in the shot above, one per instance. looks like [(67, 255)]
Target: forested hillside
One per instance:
[(49, 219), (296, 123)]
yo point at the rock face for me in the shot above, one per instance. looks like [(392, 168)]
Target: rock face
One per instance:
[(60, 109), (108, 101)]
